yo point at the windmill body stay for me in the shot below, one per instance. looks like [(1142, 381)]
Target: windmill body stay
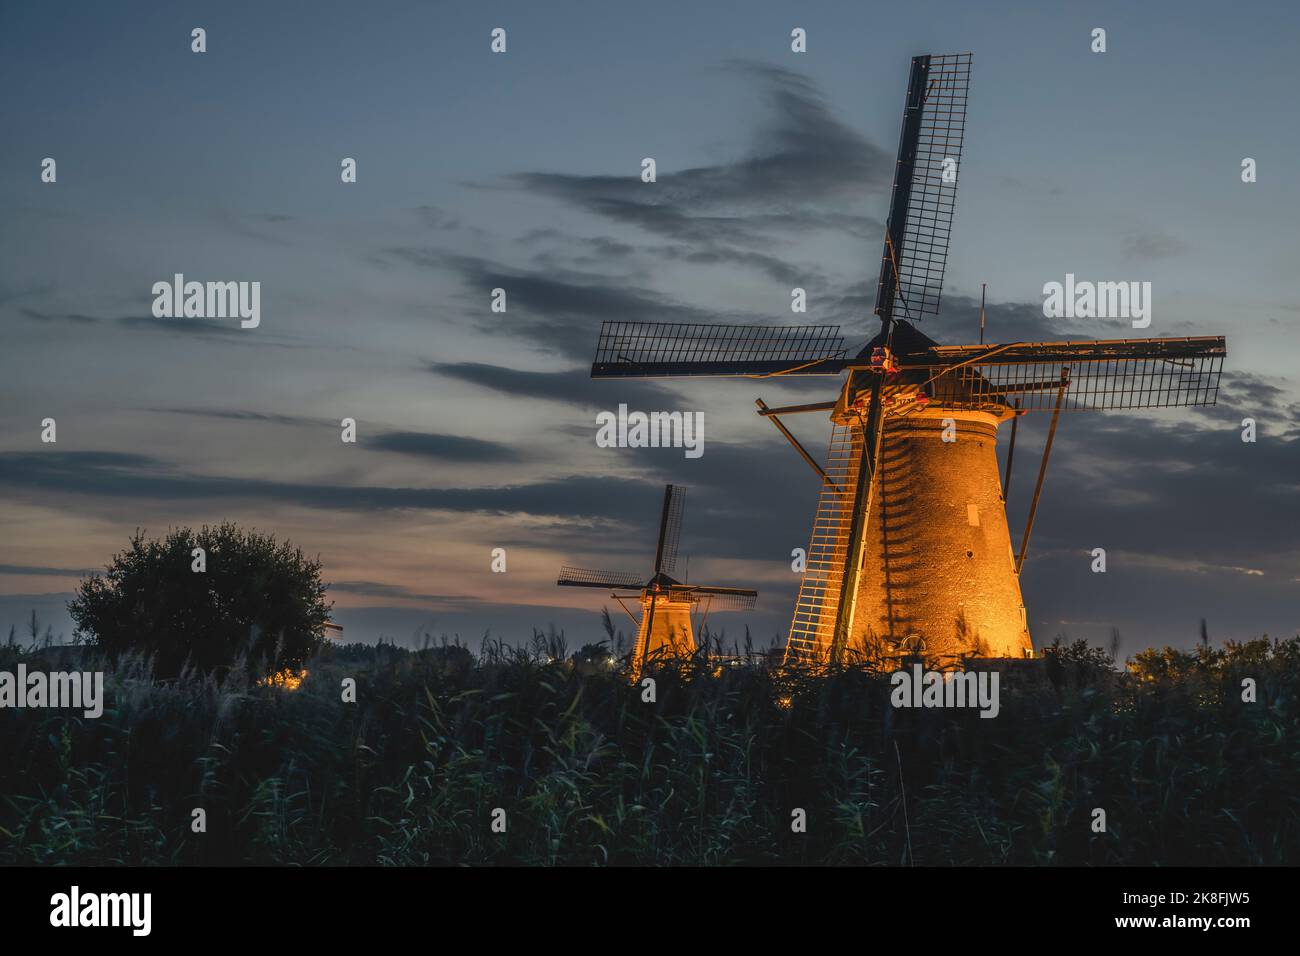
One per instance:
[(910, 546)]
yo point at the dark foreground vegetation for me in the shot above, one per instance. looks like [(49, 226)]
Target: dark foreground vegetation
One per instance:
[(589, 773)]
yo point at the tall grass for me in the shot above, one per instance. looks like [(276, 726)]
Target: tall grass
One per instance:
[(710, 773)]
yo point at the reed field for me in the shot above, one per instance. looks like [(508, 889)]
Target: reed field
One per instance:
[(711, 773)]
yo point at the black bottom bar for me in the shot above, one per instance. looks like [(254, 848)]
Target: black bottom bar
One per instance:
[(299, 907)]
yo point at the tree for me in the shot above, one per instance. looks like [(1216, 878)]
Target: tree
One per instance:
[(252, 598)]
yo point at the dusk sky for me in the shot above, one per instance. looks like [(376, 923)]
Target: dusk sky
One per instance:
[(475, 170)]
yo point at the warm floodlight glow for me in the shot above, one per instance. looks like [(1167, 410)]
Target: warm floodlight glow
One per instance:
[(285, 679)]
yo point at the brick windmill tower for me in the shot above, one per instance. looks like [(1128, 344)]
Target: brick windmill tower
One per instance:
[(664, 628), (910, 546)]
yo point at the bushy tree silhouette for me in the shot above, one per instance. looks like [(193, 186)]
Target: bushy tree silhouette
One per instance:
[(255, 599)]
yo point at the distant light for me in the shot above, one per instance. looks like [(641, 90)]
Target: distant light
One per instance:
[(284, 679)]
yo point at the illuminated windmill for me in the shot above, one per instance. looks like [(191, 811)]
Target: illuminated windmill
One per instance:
[(910, 542), (664, 628)]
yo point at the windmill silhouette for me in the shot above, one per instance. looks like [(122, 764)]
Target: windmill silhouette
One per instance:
[(664, 628), (910, 545)]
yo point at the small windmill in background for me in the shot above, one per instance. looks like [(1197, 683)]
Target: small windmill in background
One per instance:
[(664, 628), (910, 538)]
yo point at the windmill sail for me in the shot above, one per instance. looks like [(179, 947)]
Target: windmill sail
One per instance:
[(674, 509), (812, 628), (611, 580), (925, 187), (723, 601), (1105, 375), (662, 349), (726, 599)]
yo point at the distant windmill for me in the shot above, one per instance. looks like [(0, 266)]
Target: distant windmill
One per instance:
[(920, 549), (664, 628)]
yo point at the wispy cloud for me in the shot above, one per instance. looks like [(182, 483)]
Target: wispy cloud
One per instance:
[(1150, 246), (39, 571), (378, 589), (127, 475), (802, 157), (444, 447), (243, 415), (572, 386)]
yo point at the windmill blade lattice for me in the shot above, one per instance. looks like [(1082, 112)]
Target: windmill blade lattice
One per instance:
[(726, 599), (813, 623), (1105, 375), (613, 580), (676, 508), (662, 349), (925, 186)]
